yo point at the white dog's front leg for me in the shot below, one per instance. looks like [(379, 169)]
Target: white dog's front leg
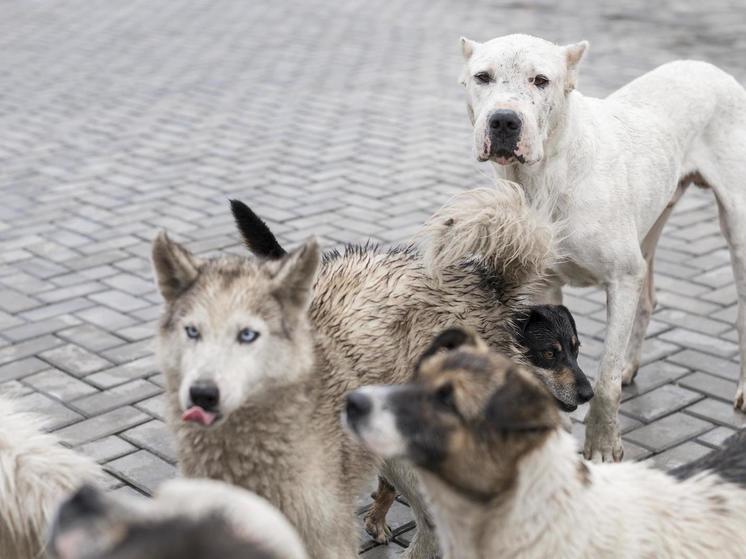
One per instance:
[(602, 439)]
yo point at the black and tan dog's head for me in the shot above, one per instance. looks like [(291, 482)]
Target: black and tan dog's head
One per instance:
[(550, 342), (467, 417)]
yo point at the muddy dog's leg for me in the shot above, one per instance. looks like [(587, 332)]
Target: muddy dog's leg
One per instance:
[(424, 545), (375, 519)]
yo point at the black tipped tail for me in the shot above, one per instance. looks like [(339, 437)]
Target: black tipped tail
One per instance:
[(256, 235)]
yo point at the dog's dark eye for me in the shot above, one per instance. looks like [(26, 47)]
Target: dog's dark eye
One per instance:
[(549, 354), (444, 395), (247, 335), (541, 81), (483, 77), (192, 332)]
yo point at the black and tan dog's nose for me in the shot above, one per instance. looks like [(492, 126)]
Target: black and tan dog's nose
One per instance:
[(585, 392), (505, 122), (358, 406), (205, 394)]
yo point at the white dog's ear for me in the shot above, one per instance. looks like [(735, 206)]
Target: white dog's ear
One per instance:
[(175, 267), (292, 281), (468, 47), (573, 55)]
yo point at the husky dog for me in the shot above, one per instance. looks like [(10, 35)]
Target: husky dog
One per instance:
[(259, 353), (612, 169), (35, 473), (194, 519), (504, 478)]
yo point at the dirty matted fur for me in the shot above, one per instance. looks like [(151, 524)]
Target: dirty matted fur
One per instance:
[(361, 316), (35, 474), (505, 479)]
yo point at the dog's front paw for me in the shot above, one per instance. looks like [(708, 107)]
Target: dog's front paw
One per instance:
[(740, 402), (629, 373), (603, 442)]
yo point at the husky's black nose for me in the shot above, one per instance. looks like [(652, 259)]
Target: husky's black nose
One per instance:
[(358, 406), (205, 394)]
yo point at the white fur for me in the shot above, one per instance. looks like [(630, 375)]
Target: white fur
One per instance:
[(612, 168), (379, 432), (621, 511), (35, 474)]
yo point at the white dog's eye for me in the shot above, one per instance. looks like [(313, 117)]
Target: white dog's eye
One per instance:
[(483, 77), (541, 81), (192, 332), (247, 335)]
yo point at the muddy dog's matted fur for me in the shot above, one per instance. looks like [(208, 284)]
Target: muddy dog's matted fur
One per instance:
[(259, 353), (186, 519), (504, 479)]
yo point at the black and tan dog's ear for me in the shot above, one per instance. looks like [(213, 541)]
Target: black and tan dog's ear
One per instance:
[(175, 267), (294, 275), (255, 233), (521, 403), (450, 340)]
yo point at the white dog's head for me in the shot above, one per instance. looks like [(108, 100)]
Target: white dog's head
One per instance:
[(516, 87)]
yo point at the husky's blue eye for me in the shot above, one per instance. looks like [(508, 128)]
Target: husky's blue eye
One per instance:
[(247, 335), (192, 332)]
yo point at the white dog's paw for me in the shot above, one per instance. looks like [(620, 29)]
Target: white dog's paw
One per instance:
[(629, 373), (603, 442), (740, 402)]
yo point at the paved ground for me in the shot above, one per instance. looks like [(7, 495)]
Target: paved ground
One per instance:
[(342, 120)]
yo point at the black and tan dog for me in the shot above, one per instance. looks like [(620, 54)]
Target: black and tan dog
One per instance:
[(504, 479)]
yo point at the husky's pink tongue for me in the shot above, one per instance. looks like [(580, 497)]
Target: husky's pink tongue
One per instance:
[(198, 415)]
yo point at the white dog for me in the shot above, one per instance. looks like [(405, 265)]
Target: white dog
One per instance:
[(35, 474), (612, 170)]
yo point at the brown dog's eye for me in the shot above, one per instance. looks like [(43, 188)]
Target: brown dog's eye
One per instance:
[(549, 354), (483, 77), (444, 395), (541, 81)]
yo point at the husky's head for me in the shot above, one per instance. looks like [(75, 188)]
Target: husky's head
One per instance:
[(516, 88), (232, 327), (467, 417)]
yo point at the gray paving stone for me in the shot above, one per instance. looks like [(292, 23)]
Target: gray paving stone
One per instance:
[(122, 373), (36, 329), (21, 368), (121, 395), (669, 431), (59, 384), (57, 414), (155, 437), (106, 449), (680, 455), (701, 342), (91, 337), (718, 412), (659, 402), (75, 360), (710, 385), (143, 470), (708, 363), (101, 426), (716, 437), (652, 376)]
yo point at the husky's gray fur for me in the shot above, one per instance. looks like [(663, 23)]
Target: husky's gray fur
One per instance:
[(362, 318)]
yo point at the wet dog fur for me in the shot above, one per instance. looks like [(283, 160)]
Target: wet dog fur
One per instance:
[(195, 519), (505, 479), (282, 340)]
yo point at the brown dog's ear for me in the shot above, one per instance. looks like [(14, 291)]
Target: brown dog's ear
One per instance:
[(175, 267), (521, 403), (292, 280), (449, 340)]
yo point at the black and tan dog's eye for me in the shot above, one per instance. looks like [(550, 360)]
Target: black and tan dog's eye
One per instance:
[(483, 77), (444, 395), (540, 81)]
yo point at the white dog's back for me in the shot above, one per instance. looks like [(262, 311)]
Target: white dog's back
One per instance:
[(35, 474)]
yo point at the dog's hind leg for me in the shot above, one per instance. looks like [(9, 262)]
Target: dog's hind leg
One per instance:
[(424, 545), (374, 520), (647, 299)]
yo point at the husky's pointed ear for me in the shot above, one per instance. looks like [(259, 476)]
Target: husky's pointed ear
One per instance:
[(521, 403), (175, 267), (573, 55), (450, 340), (293, 278), (256, 235)]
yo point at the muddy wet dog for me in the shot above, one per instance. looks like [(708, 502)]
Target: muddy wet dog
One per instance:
[(258, 354), (194, 519), (504, 479)]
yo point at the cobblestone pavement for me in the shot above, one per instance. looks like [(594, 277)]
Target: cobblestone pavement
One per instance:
[(340, 119)]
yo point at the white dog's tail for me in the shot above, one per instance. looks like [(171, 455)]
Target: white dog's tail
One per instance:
[(498, 225)]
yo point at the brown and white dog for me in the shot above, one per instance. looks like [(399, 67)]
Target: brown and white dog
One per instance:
[(504, 479)]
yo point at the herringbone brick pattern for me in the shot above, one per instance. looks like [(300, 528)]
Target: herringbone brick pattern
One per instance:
[(338, 119)]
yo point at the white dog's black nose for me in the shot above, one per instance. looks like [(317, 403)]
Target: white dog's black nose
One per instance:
[(505, 122), (205, 394), (358, 405)]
